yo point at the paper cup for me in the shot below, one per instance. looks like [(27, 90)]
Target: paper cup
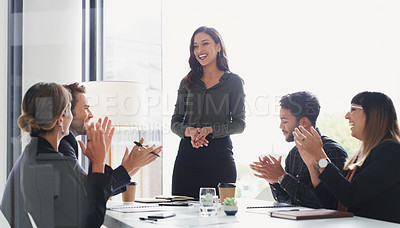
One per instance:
[(226, 190), (129, 195)]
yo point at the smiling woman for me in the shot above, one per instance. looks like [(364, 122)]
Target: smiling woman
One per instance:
[(209, 108), (367, 185)]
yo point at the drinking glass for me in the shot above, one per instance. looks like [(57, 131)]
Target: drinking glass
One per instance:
[(208, 202)]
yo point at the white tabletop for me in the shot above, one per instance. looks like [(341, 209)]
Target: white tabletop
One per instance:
[(190, 217)]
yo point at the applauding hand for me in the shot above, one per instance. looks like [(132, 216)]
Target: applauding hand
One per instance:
[(309, 142), (268, 168), (108, 132), (139, 157), (96, 148)]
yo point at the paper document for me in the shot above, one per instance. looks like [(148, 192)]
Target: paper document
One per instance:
[(135, 207)]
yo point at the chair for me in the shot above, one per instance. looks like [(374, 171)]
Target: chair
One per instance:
[(3, 221), (266, 195)]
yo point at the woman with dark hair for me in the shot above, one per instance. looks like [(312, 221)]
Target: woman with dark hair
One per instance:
[(209, 108), (370, 184)]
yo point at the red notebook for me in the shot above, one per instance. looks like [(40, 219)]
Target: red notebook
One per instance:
[(311, 214)]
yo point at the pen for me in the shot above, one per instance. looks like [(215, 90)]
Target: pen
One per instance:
[(284, 210), (140, 145), (152, 220)]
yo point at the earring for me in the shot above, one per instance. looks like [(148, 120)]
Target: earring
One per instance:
[(62, 130), (219, 53)]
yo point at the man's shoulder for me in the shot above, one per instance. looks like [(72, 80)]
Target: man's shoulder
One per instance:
[(331, 145), (292, 153), (66, 146)]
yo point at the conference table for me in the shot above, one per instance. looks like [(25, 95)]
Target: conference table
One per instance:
[(190, 217)]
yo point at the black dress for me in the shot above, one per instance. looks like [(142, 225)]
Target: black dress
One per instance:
[(203, 167)]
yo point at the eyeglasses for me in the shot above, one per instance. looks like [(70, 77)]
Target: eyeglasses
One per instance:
[(354, 107)]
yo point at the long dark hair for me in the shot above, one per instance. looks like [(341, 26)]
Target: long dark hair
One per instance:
[(380, 125), (196, 69)]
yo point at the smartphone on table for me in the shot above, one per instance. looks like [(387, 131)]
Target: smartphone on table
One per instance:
[(156, 216), (161, 215)]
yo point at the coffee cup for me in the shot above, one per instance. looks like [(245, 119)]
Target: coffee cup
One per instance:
[(129, 195), (226, 190)]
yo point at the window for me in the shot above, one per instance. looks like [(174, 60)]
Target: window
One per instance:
[(334, 49)]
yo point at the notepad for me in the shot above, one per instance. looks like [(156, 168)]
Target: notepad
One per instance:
[(151, 200), (174, 198), (135, 208), (274, 205), (310, 214)]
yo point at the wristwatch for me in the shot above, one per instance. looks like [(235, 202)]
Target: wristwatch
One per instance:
[(281, 178), (323, 163)]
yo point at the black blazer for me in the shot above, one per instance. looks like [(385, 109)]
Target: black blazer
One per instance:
[(120, 177), (375, 189), (47, 185)]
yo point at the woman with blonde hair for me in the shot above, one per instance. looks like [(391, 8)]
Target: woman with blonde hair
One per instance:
[(43, 187), (369, 185)]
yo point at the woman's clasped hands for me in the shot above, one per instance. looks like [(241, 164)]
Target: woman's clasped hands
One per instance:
[(198, 136)]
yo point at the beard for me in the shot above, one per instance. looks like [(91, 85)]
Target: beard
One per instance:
[(78, 127), (290, 138)]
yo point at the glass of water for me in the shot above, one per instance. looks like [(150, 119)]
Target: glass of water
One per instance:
[(208, 202)]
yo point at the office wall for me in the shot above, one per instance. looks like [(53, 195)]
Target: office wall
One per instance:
[(52, 39)]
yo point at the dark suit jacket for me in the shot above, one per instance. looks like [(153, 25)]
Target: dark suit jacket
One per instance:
[(374, 191), (120, 177), (47, 185)]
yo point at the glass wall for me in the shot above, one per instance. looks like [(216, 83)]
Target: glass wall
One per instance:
[(81, 40), (132, 52)]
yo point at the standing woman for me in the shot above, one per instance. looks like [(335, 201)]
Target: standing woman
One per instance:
[(209, 108), (370, 184)]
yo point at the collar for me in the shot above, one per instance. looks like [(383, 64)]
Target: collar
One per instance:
[(70, 137), (223, 78), (43, 146), (319, 132)]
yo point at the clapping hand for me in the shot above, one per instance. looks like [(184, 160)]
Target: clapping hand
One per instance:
[(268, 168), (139, 157), (108, 132), (309, 142), (96, 147)]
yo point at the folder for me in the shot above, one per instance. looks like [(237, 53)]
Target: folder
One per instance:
[(310, 214)]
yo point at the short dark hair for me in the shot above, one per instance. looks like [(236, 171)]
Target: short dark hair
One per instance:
[(74, 89), (302, 104)]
